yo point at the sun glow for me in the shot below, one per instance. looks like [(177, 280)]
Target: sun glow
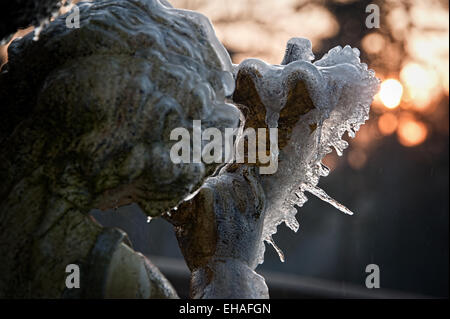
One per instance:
[(391, 92)]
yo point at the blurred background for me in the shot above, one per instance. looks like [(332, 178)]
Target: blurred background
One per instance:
[(394, 175)]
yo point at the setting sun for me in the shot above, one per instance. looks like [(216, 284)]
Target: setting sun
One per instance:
[(391, 93)]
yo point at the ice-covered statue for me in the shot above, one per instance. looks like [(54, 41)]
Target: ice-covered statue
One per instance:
[(86, 121)]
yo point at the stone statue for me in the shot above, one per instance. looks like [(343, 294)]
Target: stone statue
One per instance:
[(86, 120)]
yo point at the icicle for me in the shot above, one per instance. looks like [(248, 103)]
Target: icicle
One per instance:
[(278, 250), (320, 193), (292, 222), (340, 146)]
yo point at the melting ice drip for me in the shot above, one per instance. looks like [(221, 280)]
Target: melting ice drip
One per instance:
[(341, 89)]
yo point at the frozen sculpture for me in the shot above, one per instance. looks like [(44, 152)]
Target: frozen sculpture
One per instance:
[(85, 123)]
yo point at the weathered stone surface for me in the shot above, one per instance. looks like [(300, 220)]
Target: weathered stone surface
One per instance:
[(219, 232), (85, 121), (246, 97)]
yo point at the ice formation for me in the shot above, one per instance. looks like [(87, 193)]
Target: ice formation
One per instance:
[(341, 89)]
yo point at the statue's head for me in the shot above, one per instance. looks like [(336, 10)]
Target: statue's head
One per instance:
[(94, 106)]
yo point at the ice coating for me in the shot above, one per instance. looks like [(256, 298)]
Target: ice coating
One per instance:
[(206, 29), (341, 89), (272, 79), (298, 49)]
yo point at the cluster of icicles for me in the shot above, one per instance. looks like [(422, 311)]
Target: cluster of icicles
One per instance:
[(342, 89)]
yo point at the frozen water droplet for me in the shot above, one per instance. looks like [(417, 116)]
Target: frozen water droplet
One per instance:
[(323, 170), (149, 219), (292, 223)]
